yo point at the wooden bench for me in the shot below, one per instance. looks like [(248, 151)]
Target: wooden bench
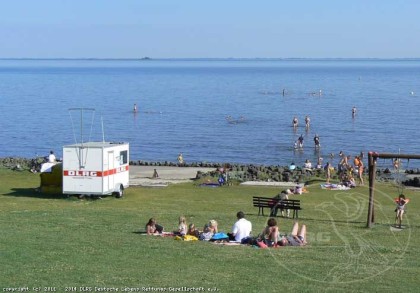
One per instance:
[(276, 204)]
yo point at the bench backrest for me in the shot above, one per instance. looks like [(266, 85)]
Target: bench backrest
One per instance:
[(269, 202), (290, 203), (263, 201)]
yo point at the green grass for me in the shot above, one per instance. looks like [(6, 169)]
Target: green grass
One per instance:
[(66, 242)]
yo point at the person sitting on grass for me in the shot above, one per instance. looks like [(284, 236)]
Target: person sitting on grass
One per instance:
[(351, 182), (193, 231), (241, 229), (270, 234), (297, 238), (152, 228), (298, 189), (182, 226), (213, 226), (209, 230), (307, 167), (319, 163), (348, 181)]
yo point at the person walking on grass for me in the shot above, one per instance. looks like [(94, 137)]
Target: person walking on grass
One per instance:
[(400, 209)]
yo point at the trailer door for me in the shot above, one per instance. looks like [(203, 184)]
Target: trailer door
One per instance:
[(110, 171)]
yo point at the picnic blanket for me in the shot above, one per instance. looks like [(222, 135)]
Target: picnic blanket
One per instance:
[(331, 186)]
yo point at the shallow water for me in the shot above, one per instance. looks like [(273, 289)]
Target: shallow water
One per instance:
[(183, 106)]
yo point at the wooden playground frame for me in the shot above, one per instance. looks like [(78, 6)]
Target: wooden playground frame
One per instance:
[(372, 158)]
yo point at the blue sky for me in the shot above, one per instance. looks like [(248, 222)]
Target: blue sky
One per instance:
[(209, 29)]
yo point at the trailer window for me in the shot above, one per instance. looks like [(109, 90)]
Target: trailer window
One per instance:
[(123, 157)]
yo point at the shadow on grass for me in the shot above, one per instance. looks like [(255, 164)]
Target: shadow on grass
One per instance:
[(303, 219), (33, 193), (315, 181), (140, 232), (36, 193)]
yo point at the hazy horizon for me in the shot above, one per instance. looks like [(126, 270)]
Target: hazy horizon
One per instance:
[(165, 29)]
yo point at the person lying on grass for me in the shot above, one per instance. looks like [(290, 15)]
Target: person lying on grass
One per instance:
[(297, 238), (271, 237)]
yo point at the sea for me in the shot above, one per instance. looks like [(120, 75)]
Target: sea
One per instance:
[(212, 110)]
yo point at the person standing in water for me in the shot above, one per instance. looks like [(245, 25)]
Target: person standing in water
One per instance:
[(135, 108), (316, 141), (353, 111), (307, 121), (300, 141), (295, 122)]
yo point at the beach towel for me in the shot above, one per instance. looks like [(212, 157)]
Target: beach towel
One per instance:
[(186, 238), (331, 186), (219, 236)]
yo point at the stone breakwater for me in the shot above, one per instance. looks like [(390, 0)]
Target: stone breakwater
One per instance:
[(19, 163), (239, 172)]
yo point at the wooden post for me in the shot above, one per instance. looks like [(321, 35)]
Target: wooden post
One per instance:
[(372, 173)]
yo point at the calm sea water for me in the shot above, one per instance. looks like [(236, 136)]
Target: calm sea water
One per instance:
[(183, 105)]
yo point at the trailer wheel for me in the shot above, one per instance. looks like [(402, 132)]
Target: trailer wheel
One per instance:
[(120, 192)]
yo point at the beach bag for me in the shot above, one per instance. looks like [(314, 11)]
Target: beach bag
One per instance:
[(219, 236)]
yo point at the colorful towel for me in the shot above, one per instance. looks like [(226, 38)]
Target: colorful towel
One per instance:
[(331, 186)]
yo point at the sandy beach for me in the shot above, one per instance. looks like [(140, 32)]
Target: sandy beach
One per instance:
[(143, 175)]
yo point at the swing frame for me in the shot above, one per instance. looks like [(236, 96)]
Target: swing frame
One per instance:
[(372, 158)]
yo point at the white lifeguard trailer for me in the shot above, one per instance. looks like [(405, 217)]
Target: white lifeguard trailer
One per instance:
[(96, 168)]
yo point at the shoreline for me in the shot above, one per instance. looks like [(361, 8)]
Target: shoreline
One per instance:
[(26, 163), (141, 172)]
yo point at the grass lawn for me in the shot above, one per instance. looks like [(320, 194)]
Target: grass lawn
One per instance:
[(52, 241)]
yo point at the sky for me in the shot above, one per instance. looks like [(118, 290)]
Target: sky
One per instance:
[(210, 29)]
